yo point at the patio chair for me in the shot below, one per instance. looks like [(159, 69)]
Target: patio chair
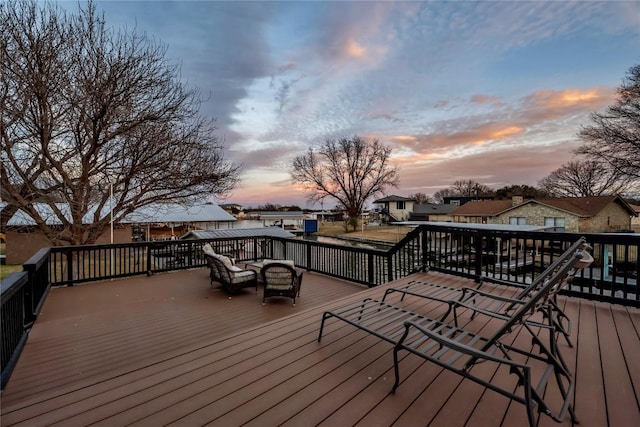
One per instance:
[(231, 277), (460, 350), (280, 279), (478, 300)]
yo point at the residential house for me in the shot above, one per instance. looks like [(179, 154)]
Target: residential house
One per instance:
[(601, 214), (284, 219), (234, 209), (432, 212), (156, 222), (461, 200), (395, 208), (635, 220)]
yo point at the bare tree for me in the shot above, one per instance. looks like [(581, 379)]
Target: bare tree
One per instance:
[(614, 136), (470, 188), (526, 191), (439, 195), (349, 171), (584, 178), (87, 111), (420, 198)]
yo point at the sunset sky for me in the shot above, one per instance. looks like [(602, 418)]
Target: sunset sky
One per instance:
[(489, 91)]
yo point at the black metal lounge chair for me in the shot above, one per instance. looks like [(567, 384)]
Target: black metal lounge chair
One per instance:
[(460, 349), (479, 300)]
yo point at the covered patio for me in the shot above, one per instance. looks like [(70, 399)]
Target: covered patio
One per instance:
[(168, 349)]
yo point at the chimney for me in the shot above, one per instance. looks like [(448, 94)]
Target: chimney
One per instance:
[(516, 200)]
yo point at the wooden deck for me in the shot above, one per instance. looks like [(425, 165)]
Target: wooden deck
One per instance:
[(170, 350)]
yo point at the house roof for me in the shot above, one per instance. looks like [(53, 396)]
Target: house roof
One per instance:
[(580, 206), (179, 213), (482, 208), (475, 226), (146, 214), (393, 198), (586, 206), (433, 208), (281, 214)]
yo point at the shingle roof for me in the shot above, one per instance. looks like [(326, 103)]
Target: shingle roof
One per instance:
[(433, 208), (580, 206), (482, 208), (393, 198), (584, 206)]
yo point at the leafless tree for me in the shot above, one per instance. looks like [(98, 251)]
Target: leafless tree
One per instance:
[(87, 110), (614, 136), (470, 188), (438, 196), (349, 171), (420, 198), (526, 191), (584, 178)]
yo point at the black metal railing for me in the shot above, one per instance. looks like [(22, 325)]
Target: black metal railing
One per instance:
[(476, 253), (21, 297)]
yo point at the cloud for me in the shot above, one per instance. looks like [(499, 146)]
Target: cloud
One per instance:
[(569, 101), (518, 165), (437, 81), (486, 99)]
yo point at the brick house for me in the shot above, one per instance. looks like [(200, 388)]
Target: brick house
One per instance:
[(601, 214)]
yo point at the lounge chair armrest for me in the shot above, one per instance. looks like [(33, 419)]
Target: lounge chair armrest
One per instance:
[(469, 293), (503, 282), (455, 346), (493, 314)]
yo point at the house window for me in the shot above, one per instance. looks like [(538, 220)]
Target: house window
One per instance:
[(400, 206), (556, 222), (455, 202), (518, 220)]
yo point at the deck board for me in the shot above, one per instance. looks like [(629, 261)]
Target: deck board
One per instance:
[(168, 349)]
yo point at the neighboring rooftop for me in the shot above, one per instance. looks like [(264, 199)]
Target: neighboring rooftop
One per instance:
[(433, 208), (148, 214), (393, 198), (580, 206), (238, 232)]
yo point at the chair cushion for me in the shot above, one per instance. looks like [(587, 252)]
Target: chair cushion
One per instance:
[(279, 261), (242, 276), (225, 260), (208, 249)]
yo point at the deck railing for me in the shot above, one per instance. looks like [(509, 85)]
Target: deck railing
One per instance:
[(491, 254)]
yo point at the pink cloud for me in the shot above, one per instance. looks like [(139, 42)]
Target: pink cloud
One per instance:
[(551, 104), (486, 99), (518, 165)]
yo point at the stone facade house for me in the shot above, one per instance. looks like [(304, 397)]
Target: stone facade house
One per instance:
[(601, 214)]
